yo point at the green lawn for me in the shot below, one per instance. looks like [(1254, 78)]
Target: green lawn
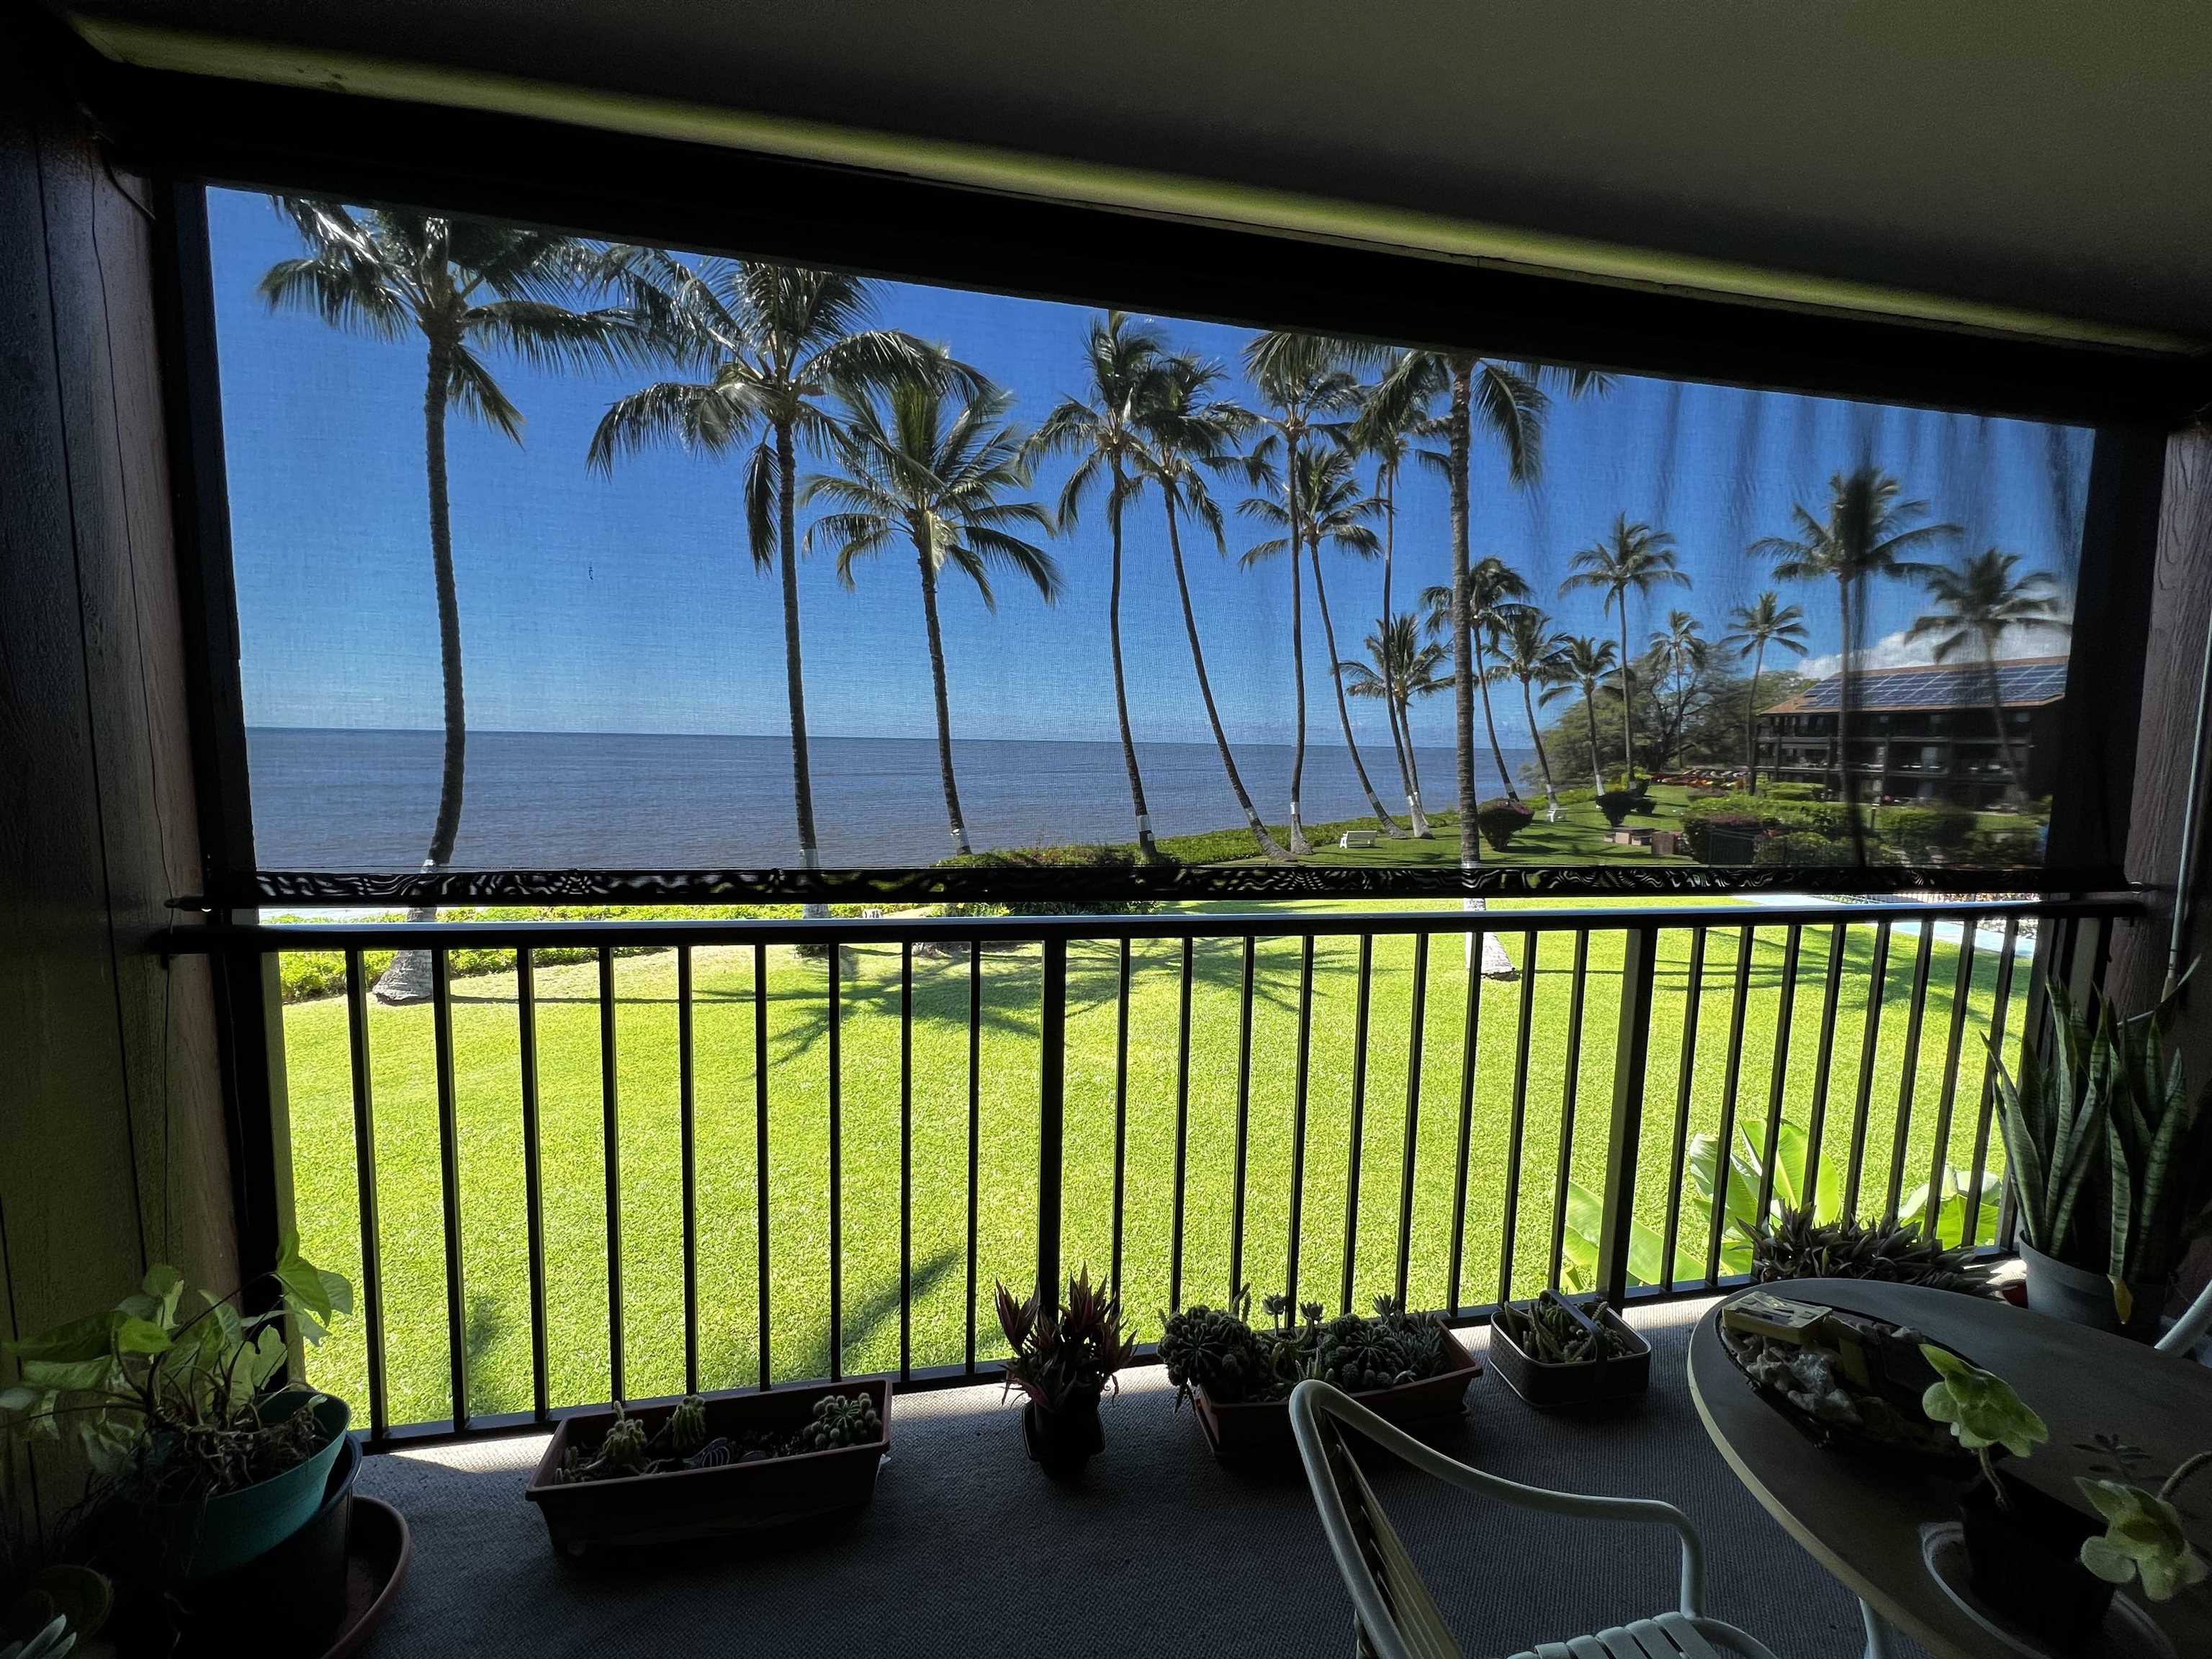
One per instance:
[(488, 1091)]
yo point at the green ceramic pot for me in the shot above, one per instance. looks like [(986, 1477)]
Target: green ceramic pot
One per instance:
[(220, 1533)]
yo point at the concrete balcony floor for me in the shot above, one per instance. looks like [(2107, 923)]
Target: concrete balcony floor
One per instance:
[(968, 1548)]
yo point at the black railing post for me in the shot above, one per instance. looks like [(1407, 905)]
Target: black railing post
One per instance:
[(1624, 1135), (1052, 1100)]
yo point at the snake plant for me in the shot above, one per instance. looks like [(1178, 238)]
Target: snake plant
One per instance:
[(2109, 1094)]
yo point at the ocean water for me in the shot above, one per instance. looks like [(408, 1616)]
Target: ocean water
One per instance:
[(343, 799)]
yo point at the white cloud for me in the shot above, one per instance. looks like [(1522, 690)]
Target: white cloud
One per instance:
[(1894, 651)]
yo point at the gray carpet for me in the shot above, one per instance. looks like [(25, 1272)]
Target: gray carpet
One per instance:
[(967, 1548)]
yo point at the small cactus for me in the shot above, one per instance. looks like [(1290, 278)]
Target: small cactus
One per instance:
[(687, 1426), (841, 1420)]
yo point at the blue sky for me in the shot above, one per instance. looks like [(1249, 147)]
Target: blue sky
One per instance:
[(630, 604)]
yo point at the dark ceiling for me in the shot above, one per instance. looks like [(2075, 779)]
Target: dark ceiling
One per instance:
[(2034, 153)]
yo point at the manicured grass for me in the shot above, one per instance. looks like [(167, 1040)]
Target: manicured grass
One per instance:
[(487, 1088)]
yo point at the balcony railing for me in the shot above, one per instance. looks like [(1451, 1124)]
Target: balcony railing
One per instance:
[(631, 1159)]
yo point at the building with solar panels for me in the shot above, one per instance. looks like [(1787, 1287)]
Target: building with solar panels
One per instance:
[(1928, 732)]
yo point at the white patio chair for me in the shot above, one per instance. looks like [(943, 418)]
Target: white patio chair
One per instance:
[(1394, 1617)]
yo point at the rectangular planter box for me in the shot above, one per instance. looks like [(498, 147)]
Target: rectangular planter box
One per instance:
[(737, 1497), (1546, 1384), (1259, 1430)]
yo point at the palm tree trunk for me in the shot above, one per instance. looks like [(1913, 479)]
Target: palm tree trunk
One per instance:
[(944, 707), (1490, 719), (1459, 440), (1402, 728), (2005, 753), (1343, 711), (1850, 785), (1299, 845), (1145, 848), (1589, 711), (1627, 702), (802, 779), (1493, 962), (1543, 760), (1268, 846), (1751, 721), (408, 979)]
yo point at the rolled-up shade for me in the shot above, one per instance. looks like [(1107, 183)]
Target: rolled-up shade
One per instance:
[(568, 569)]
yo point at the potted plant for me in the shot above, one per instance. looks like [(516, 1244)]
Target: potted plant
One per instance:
[(1406, 1367), (1552, 1352), (174, 1396), (2024, 1546), (2111, 1160), (1795, 1243), (2142, 1536), (702, 1466), (1064, 1358)]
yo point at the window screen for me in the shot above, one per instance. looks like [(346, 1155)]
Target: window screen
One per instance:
[(552, 555)]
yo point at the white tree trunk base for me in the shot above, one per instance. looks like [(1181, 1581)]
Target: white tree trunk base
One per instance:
[(407, 980)]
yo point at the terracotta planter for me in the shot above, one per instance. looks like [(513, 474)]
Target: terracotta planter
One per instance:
[(1063, 1439), (1259, 1430), (1548, 1384), (2027, 1563), (2084, 1296), (765, 1493)]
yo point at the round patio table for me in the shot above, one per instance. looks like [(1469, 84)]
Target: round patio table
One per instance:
[(1862, 1519)]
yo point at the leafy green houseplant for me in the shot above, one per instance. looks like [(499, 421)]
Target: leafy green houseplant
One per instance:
[(2111, 1164), (169, 1395), (1064, 1358), (2142, 1536), (2023, 1544)]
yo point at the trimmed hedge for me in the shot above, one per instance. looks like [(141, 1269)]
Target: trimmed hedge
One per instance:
[(1800, 849), (1795, 792), (1500, 820), (2018, 846), (1618, 803), (1925, 830), (1056, 858)]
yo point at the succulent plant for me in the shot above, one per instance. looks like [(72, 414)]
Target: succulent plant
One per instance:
[(687, 1426), (1358, 1355), (1213, 1349), (1794, 1245), (1065, 1353), (840, 1420), (1547, 1331)]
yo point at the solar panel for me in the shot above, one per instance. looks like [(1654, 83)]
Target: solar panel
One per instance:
[(1943, 688)]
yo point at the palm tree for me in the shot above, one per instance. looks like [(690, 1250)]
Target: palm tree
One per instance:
[(1123, 363), (1303, 381), (1385, 430), (462, 286), (1186, 431), (1337, 512), (1508, 400), (1583, 665), (1977, 604), (1400, 667), (1528, 652), (1765, 622), (772, 344), (1494, 591), (938, 478), (1635, 558), (1868, 532), (1679, 654)]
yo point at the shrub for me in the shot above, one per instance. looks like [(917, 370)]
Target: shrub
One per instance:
[(1795, 792), (1698, 830), (1618, 803), (2015, 846), (1499, 821), (1793, 849), (1928, 831)]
